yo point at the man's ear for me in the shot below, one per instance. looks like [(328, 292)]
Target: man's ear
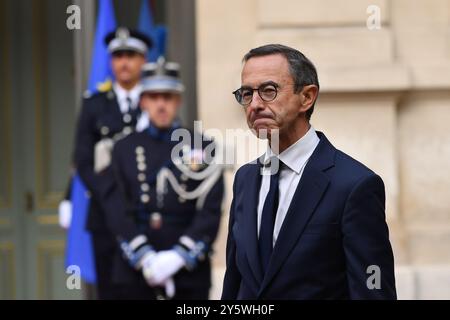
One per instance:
[(308, 96)]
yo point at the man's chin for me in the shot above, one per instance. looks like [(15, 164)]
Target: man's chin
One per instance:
[(126, 78), (263, 132), (163, 125)]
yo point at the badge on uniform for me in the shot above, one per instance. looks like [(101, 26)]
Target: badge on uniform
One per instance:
[(155, 220), (193, 165), (102, 154), (193, 158)]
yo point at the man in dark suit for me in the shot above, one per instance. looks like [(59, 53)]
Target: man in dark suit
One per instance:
[(307, 221), (106, 117)]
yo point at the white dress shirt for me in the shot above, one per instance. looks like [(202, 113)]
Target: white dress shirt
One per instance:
[(122, 95), (294, 160), (134, 94)]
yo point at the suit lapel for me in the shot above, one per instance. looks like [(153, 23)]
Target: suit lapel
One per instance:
[(250, 227), (310, 190), (114, 104)]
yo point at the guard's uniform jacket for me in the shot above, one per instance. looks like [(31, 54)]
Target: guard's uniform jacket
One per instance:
[(137, 160), (100, 120)]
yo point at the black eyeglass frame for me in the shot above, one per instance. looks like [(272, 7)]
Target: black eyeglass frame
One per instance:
[(237, 93)]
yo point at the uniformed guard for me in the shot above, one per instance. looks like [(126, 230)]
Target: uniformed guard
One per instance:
[(106, 117), (172, 194)]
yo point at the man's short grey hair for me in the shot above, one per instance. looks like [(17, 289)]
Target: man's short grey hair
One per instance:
[(301, 68)]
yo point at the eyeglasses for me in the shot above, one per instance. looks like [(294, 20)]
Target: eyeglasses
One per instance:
[(267, 92)]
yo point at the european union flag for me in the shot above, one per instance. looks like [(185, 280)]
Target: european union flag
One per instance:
[(79, 249), (158, 33)]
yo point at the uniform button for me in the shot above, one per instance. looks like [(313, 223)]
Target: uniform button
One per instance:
[(183, 186), (127, 118), (139, 150), (140, 158), (183, 177), (141, 166), (145, 187), (127, 130), (104, 130), (141, 177), (181, 200), (145, 198)]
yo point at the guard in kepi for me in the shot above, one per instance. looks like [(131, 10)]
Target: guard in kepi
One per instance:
[(171, 196), (106, 117)]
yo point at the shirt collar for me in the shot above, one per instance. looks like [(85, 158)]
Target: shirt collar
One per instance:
[(122, 94), (296, 155)]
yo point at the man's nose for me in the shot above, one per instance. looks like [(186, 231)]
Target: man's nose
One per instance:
[(257, 103)]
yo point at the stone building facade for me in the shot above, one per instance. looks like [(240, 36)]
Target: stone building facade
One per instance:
[(384, 99)]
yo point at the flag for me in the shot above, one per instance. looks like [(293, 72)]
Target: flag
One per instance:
[(79, 250), (101, 73), (156, 33)]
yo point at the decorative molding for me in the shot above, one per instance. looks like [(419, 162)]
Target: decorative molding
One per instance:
[(46, 250), (47, 219), (5, 112), (7, 250), (44, 199)]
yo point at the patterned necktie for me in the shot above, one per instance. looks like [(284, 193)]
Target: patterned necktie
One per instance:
[(265, 241)]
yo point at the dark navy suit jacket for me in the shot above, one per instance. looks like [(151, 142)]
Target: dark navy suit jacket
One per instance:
[(334, 230)]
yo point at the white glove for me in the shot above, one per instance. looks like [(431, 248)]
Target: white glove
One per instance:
[(146, 262), (169, 287), (164, 265), (65, 214)]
